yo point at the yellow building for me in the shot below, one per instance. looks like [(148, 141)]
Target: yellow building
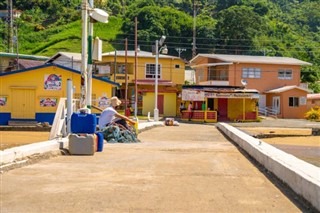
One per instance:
[(33, 94), (171, 71)]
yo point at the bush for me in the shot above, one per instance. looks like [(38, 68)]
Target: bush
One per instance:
[(313, 114)]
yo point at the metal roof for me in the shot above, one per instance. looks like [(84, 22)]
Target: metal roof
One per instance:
[(23, 56), (25, 63), (131, 53), (286, 88), (73, 56), (251, 59)]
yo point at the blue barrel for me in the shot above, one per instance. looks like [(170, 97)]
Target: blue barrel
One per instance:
[(100, 141), (83, 123)]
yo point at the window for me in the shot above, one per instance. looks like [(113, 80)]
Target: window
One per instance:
[(200, 75), (121, 69), (251, 73), (217, 73), (177, 66), (151, 71), (284, 74), (293, 102)]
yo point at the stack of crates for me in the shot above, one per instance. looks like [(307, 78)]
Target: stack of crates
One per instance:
[(84, 140)]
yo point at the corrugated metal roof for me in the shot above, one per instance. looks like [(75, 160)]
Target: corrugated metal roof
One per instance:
[(73, 56), (286, 88), (131, 53), (252, 59), (29, 63), (23, 56)]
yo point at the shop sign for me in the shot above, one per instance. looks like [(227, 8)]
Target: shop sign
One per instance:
[(231, 95), (192, 95), (52, 82)]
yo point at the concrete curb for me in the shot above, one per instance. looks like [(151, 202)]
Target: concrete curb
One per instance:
[(300, 176), (18, 155)]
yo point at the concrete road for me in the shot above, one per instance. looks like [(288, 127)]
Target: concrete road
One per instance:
[(186, 168)]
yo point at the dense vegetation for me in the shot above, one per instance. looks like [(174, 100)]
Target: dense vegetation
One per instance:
[(255, 27)]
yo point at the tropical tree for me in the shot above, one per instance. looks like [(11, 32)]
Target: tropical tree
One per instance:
[(237, 27)]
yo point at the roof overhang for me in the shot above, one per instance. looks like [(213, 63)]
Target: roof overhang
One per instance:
[(211, 64), (249, 59), (152, 82)]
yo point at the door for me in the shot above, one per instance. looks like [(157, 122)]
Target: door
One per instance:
[(262, 101), (223, 108), (276, 104), (23, 103), (160, 104)]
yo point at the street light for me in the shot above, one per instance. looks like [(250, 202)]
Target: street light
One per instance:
[(100, 16), (164, 49)]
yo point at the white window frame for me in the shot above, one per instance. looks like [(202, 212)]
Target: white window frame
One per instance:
[(285, 74), (251, 72), (151, 74)]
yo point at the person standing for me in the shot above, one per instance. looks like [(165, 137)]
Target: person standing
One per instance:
[(190, 108), (182, 107), (110, 115)]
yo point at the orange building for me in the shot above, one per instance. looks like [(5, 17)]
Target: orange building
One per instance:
[(276, 80), (313, 100)]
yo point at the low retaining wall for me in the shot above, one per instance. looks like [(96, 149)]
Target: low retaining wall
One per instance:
[(302, 177), (13, 155)]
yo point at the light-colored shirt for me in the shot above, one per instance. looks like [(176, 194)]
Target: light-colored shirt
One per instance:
[(190, 107), (106, 116)]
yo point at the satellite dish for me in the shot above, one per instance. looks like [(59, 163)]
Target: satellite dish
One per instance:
[(244, 82)]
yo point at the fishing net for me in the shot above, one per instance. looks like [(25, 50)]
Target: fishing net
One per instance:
[(116, 133)]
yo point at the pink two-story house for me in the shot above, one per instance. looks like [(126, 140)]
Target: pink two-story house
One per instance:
[(276, 81)]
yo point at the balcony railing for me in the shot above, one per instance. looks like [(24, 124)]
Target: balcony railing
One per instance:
[(218, 78)]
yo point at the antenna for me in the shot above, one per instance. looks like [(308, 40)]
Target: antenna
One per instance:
[(244, 82)]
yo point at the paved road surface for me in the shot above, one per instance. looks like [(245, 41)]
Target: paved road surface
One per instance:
[(189, 168)]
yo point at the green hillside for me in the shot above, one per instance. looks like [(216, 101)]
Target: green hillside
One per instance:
[(252, 27)]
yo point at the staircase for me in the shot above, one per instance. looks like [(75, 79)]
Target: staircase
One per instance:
[(268, 112)]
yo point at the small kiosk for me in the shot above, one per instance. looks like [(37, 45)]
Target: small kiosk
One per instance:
[(221, 103)]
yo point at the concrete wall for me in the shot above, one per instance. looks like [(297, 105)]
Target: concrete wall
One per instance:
[(302, 177)]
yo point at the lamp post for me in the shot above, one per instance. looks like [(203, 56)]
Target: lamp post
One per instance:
[(97, 15), (157, 50)]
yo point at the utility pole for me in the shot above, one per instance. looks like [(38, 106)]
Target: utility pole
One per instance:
[(194, 53), (180, 50), (115, 71), (126, 74), (16, 41), (10, 26), (135, 67)]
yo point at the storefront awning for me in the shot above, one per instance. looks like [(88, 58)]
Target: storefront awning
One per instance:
[(202, 94)]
